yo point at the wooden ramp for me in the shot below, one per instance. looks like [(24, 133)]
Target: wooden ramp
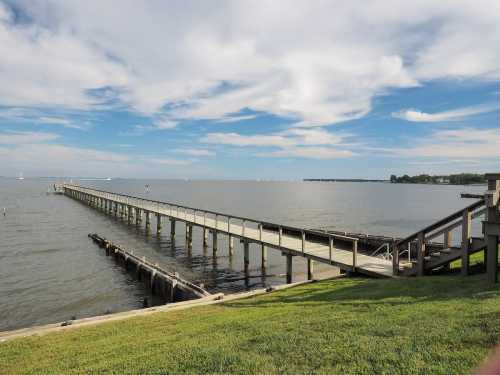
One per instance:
[(333, 249)]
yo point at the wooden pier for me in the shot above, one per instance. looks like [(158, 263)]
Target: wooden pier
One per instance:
[(315, 246), (417, 254)]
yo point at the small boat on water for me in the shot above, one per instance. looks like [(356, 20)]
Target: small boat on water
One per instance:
[(20, 177)]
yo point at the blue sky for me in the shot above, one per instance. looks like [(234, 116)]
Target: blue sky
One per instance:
[(246, 90)]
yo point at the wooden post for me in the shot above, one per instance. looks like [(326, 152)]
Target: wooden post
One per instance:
[(189, 235), (137, 216), (310, 269), (246, 256), (148, 221), (205, 236), (263, 257), (214, 241), (158, 224), (448, 239), (230, 240), (395, 258), (330, 248), (466, 235), (289, 268), (354, 255), (492, 226), (172, 228), (130, 213), (421, 254), (303, 235)]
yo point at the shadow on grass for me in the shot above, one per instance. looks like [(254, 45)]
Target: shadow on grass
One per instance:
[(360, 291)]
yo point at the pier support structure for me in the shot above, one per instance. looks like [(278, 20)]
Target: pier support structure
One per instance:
[(289, 268), (214, 241), (158, 224), (230, 240), (491, 227), (310, 269), (172, 228), (246, 257), (148, 221), (263, 257)]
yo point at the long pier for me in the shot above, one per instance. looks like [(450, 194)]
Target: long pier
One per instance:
[(418, 254), (333, 249)]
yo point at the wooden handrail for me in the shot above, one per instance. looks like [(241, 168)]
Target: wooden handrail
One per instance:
[(441, 222), (277, 226)]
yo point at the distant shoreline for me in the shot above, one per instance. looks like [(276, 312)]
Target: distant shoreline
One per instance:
[(387, 181)]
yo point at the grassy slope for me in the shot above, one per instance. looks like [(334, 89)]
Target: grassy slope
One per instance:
[(439, 324)]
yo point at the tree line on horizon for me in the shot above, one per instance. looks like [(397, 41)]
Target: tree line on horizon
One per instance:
[(452, 179)]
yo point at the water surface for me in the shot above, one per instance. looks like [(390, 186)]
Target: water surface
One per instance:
[(50, 271)]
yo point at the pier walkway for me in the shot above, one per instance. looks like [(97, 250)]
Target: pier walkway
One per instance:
[(416, 255), (332, 249)]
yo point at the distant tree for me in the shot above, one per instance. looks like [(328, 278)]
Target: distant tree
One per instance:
[(394, 178)]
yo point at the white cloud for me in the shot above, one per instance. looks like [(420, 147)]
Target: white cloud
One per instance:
[(59, 121), (228, 119), (315, 62), (451, 115), (18, 138), (309, 153), (161, 124), (295, 142), (468, 143), (161, 161), (195, 152)]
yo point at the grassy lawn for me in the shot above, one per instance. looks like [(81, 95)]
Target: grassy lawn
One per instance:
[(442, 324)]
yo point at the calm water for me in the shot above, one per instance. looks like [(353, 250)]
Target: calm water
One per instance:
[(50, 271)]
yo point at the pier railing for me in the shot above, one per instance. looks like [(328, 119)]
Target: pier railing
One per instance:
[(415, 245), (224, 221)]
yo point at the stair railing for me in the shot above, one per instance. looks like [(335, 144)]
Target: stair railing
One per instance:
[(444, 227)]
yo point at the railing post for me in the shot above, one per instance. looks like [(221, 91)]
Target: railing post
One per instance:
[(492, 226), (280, 231), (466, 235), (243, 224), (448, 239), (330, 247), (395, 258), (354, 254), (260, 232), (421, 254), (303, 242)]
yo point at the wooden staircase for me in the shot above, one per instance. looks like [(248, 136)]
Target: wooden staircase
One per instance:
[(421, 259)]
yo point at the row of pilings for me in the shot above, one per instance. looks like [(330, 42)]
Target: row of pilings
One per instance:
[(170, 287)]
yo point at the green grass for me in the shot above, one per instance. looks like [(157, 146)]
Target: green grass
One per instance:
[(425, 325), (474, 259)]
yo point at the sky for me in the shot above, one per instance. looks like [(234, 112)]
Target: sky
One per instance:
[(267, 89)]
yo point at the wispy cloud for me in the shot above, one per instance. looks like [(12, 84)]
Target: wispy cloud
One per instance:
[(290, 143), (59, 121), (229, 119), (460, 144), (162, 161), (156, 125), (458, 114), (194, 152), (17, 138)]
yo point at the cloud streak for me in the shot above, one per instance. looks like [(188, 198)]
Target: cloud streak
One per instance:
[(295, 142), (458, 114)]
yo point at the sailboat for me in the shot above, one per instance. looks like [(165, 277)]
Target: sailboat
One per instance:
[(20, 177)]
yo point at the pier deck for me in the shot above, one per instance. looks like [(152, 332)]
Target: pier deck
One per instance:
[(320, 247)]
